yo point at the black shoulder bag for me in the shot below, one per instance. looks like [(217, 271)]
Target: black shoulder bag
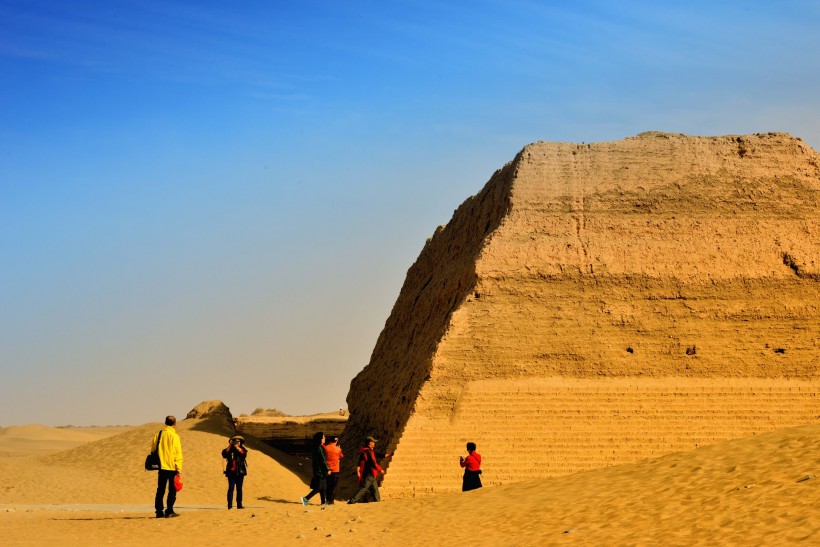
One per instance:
[(152, 459)]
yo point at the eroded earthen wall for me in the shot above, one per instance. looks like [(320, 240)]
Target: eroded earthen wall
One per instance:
[(293, 435), (635, 298), (383, 395)]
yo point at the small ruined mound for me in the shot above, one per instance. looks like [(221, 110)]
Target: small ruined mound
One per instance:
[(268, 413), (213, 416), (600, 304), (209, 409)]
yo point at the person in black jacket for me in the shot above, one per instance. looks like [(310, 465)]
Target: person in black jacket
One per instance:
[(236, 468), (318, 483)]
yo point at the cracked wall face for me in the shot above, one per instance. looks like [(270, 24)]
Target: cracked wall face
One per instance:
[(659, 258)]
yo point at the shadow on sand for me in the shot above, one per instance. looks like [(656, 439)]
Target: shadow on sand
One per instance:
[(133, 517), (272, 500)]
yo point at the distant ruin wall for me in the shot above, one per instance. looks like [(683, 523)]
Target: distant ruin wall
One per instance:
[(609, 280), (291, 434)]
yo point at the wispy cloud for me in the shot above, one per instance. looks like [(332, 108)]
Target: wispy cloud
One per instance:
[(153, 41)]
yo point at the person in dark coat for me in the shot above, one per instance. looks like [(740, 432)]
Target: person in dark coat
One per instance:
[(472, 469), (318, 483), (236, 468)]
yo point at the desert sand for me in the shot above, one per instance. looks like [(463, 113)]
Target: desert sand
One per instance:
[(758, 490), (38, 439), (627, 330)]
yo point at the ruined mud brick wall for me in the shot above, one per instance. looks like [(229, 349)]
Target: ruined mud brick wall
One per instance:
[(598, 304), (290, 434)]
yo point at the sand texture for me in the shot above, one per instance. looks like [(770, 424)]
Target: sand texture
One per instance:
[(761, 490), (600, 304), (110, 470), (35, 439)]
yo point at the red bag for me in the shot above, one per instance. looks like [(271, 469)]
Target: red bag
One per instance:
[(177, 483)]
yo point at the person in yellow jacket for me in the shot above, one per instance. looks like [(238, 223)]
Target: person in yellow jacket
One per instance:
[(169, 448)]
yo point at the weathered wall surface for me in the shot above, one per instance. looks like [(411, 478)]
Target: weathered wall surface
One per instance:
[(627, 299), (383, 395), (291, 434)]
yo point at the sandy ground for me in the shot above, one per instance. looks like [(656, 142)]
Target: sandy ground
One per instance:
[(27, 440), (760, 490)]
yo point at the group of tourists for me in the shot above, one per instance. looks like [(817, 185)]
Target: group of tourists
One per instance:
[(167, 449), (326, 455)]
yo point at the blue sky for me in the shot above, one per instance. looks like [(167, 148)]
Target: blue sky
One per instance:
[(221, 199)]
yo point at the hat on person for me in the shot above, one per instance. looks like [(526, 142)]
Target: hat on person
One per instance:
[(238, 438), (371, 439)]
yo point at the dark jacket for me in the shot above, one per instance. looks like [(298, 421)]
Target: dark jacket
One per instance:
[(320, 467), (237, 464)]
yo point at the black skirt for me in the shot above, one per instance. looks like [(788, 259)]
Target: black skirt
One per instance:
[(472, 480)]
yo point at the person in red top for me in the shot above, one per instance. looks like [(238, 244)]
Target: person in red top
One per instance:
[(472, 469), (333, 453), (368, 471)]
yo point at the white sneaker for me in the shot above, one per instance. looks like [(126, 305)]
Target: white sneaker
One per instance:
[(304, 500)]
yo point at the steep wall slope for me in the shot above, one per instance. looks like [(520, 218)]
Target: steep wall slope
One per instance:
[(605, 303), (383, 395)]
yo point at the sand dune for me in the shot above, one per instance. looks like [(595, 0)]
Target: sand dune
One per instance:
[(109, 470), (758, 490), (40, 439)]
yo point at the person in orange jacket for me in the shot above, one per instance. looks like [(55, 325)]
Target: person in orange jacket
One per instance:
[(333, 452)]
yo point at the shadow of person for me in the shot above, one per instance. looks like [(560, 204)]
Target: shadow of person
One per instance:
[(133, 517), (272, 500)]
